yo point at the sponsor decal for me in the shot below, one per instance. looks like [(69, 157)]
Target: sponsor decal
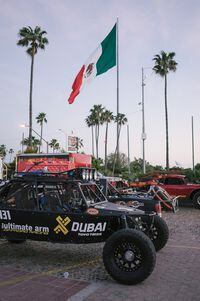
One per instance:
[(5, 215), (100, 207), (93, 211), (12, 227), (88, 229), (125, 208), (61, 225), (82, 229)]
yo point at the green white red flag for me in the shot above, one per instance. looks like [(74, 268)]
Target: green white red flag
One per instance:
[(100, 61)]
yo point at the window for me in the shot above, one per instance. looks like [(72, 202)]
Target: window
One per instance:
[(72, 198), (18, 195), (174, 181), (49, 198), (92, 193)]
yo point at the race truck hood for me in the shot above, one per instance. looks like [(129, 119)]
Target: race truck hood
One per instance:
[(108, 208)]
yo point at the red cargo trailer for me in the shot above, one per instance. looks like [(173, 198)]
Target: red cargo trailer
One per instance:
[(57, 162)]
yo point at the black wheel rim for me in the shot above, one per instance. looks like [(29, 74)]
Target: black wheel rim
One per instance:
[(128, 257), (198, 201), (151, 231)]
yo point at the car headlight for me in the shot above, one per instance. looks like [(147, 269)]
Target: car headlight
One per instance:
[(84, 174), (95, 175), (87, 175), (90, 175)]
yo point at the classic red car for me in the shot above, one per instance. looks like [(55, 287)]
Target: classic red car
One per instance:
[(175, 185)]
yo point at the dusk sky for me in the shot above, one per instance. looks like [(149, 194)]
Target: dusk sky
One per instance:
[(74, 29)]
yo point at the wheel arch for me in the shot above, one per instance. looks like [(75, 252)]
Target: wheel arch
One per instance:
[(193, 193)]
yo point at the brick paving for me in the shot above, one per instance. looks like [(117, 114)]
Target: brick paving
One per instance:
[(177, 272), (16, 285), (176, 275)]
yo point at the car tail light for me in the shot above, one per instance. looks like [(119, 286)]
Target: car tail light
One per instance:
[(158, 209)]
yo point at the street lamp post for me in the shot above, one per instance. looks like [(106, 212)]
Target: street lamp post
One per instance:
[(192, 143), (22, 142), (144, 136), (47, 143)]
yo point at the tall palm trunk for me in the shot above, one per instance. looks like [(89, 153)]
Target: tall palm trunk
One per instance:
[(97, 139), (92, 127), (166, 120), (106, 146), (30, 100), (41, 133)]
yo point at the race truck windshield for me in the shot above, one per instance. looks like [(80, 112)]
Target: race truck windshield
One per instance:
[(92, 194)]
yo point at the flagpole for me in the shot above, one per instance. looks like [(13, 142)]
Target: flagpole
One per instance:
[(117, 63)]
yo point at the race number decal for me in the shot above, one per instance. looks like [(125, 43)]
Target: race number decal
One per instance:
[(5, 214)]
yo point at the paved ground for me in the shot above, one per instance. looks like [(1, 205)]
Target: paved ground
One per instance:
[(41, 271), (19, 285)]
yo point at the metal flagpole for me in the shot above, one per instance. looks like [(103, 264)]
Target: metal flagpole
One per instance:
[(117, 63), (192, 144)]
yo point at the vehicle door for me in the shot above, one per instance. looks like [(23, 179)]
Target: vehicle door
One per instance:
[(175, 186), (78, 223), (18, 210)]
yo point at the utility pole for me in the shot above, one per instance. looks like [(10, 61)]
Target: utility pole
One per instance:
[(143, 127), (192, 144), (66, 142)]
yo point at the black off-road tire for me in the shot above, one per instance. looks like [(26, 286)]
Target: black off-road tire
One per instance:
[(158, 232), (138, 266), (196, 200)]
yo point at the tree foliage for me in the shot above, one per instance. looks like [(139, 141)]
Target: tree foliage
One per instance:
[(54, 144), (3, 150)]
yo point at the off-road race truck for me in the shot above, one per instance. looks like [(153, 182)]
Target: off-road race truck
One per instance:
[(128, 196), (53, 208), (158, 231)]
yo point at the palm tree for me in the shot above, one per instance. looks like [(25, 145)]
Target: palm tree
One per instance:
[(54, 144), (41, 119), (120, 119), (96, 117), (90, 123), (33, 39), (164, 63), (11, 151), (35, 144), (107, 118), (79, 143), (3, 151)]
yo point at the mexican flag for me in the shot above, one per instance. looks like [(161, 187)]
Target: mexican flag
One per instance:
[(100, 61)]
